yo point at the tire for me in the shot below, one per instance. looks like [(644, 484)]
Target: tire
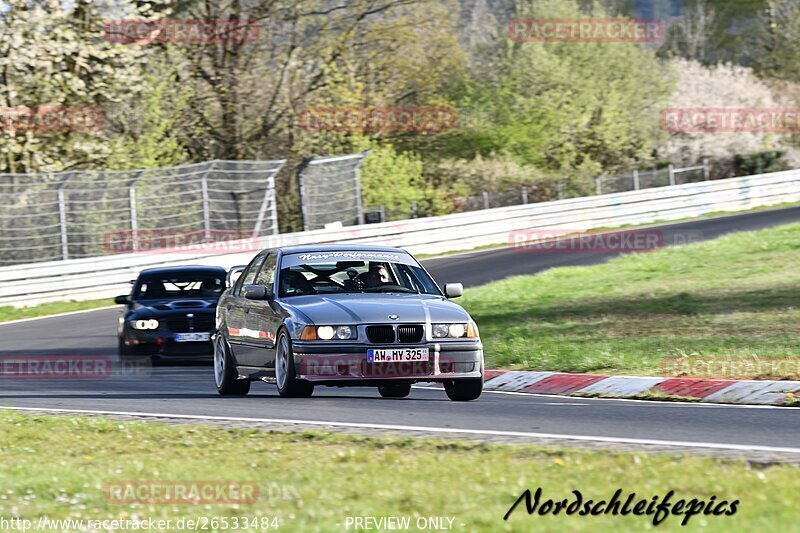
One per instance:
[(464, 390), (226, 377), (285, 376), (395, 390)]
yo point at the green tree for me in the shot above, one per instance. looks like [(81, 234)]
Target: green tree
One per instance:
[(54, 55), (569, 107)]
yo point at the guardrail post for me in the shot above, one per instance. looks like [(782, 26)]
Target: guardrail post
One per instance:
[(706, 169), (598, 185), (636, 180), (485, 200), (671, 174), (560, 189), (524, 195)]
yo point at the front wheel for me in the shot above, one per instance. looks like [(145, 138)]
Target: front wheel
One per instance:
[(225, 375), (285, 376), (464, 390), (395, 390)]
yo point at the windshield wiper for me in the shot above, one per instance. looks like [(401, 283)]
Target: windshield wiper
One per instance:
[(390, 288)]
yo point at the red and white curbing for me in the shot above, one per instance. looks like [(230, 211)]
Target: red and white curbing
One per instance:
[(702, 389)]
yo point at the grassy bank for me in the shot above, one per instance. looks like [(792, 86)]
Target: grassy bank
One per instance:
[(735, 296), (58, 466), (16, 313)]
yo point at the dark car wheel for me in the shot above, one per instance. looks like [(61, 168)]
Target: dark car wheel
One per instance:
[(225, 375), (396, 390), (463, 390), (288, 385)]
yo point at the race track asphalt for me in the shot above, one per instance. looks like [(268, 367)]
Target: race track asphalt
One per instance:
[(189, 389)]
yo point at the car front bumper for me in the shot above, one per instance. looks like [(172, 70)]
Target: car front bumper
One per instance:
[(162, 345), (346, 363)]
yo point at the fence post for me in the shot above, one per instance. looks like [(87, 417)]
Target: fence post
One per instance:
[(134, 219), (269, 196), (524, 195), (62, 220), (560, 188), (485, 200), (359, 206), (636, 180), (206, 214), (706, 169), (671, 174), (598, 185)]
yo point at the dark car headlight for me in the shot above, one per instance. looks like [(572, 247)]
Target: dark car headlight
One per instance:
[(144, 324), (327, 333), (455, 331)]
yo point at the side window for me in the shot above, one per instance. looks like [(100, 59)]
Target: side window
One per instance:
[(266, 276), (249, 275)]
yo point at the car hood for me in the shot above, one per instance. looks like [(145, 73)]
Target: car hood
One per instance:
[(359, 308), (173, 306)]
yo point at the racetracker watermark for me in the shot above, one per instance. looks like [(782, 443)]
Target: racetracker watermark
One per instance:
[(587, 30), (189, 31), (356, 366), (186, 242), (171, 492), (378, 119), (50, 119), (729, 367), (570, 241), (55, 366), (730, 120)]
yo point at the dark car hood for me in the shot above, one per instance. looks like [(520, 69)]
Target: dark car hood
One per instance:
[(175, 305), (358, 308)]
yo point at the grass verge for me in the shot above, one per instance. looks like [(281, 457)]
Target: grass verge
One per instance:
[(58, 467), (733, 297), (8, 313)]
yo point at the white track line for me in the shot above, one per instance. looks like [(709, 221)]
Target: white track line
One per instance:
[(486, 432), (19, 321)]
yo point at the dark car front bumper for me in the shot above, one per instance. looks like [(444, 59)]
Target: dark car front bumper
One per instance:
[(340, 363), (162, 345)]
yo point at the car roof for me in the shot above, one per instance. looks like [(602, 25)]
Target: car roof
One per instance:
[(181, 269), (306, 248)]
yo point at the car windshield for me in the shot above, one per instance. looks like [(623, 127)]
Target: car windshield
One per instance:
[(355, 276), (188, 285)]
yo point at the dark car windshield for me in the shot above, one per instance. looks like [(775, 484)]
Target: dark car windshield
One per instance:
[(179, 285), (355, 276)]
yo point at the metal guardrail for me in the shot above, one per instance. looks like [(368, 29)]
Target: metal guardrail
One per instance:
[(107, 276)]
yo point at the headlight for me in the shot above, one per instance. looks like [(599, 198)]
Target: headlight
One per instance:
[(145, 324), (455, 331), (326, 333)]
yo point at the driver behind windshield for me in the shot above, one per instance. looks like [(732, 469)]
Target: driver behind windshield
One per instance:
[(378, 275)]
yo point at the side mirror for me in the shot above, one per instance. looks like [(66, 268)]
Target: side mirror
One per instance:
[(233, 275), (122, 300), (453, 290), (256, 292)]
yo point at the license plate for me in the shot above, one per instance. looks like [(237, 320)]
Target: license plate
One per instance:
[(397, 355), (199, 336)]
